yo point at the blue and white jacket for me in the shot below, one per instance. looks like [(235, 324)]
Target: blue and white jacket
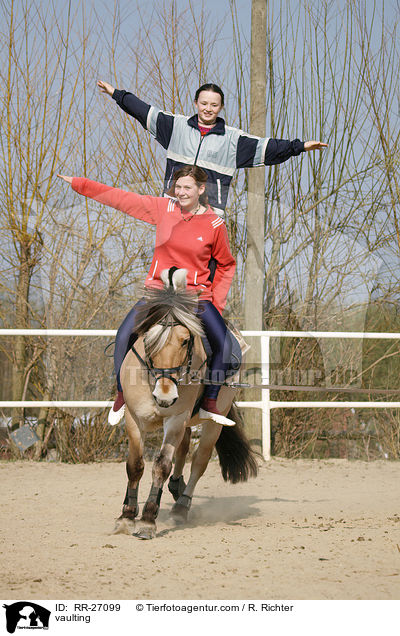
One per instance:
[(220, 152)]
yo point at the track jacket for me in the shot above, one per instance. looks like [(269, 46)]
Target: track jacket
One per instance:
[(182, 240), (220, 152)]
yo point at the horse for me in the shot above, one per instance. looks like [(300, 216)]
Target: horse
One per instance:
[(162, 380)]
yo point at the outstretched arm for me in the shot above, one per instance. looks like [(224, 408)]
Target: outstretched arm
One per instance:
[(279, 150), (157, 122), (255, 151), (127, 101), (144, 208)]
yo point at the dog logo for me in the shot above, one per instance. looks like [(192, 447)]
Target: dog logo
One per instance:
[(26, 615)]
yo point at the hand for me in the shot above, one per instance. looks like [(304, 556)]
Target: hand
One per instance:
[(105, 87), (314, 145), (65, 177)]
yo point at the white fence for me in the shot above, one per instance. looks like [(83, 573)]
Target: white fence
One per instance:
[(265, 404)]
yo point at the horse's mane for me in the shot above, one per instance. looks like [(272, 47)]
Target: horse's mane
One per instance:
[(162, 309)]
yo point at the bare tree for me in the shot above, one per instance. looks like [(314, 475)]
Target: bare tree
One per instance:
[(37, 104), (78, 264)]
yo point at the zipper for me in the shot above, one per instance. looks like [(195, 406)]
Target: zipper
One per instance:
[(219, 190), (154, 271), (199, 146), (198, 149)]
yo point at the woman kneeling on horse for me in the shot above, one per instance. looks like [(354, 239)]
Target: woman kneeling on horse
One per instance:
[(188, 234)]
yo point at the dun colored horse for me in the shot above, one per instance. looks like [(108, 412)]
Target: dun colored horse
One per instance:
[(161, 380)]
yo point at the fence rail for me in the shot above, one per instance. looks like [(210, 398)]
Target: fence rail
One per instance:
[(265, 404)]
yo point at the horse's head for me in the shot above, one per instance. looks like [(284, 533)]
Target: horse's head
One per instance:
[(169, 324), (170, 363)]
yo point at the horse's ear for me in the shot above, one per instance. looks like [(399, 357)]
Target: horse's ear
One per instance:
[(174, 277), (179, 279), (165, 278)]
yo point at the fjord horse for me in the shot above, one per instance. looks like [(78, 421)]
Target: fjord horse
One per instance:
[(161, 380)]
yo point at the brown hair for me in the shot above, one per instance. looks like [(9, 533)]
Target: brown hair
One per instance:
[(198, 174), (210, 87)]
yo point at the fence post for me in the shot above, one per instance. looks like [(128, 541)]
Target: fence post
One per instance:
[(265, 399)]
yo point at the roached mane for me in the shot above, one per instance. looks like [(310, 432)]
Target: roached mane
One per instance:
[(163, 309)]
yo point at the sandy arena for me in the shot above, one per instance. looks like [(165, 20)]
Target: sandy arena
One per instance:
[(301, 530)]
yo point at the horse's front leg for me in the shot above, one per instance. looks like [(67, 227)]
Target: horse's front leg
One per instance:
[(174, 430), (176, 484), (209, 436), (125, 524)]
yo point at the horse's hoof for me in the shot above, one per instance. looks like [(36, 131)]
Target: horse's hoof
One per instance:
[(176, 487), (180, 509), (145, 533), (124, 525), (179, 514)]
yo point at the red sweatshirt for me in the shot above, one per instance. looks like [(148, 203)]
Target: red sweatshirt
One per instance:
[(187, 244)]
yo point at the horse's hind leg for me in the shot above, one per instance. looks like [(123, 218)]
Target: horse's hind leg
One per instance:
[(209, 437), (134, 468)]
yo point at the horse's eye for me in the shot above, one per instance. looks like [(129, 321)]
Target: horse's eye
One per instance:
[(185, 342)]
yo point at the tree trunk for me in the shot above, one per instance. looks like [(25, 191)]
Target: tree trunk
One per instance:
[(255, 271)]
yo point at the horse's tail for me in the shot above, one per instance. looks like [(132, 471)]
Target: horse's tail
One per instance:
[(236, 457)]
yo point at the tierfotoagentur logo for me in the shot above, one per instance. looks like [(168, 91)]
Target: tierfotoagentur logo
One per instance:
[(26, 615)]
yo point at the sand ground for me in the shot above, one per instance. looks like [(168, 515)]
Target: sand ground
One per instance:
[(300, 530)]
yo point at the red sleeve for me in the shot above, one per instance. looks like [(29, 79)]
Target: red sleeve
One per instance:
[(141, 207), (225, 270)]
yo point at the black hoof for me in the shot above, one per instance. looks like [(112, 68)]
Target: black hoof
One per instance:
[(180, 509), (176, 487)]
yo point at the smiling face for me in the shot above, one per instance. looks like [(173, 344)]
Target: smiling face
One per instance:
[(208, 105), (188, 192)]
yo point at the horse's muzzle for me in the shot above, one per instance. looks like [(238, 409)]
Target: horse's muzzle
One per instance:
[(165, 392), (165, 405)]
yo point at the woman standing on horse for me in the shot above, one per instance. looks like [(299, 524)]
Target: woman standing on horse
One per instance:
[(206, 141), (188, 234)]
